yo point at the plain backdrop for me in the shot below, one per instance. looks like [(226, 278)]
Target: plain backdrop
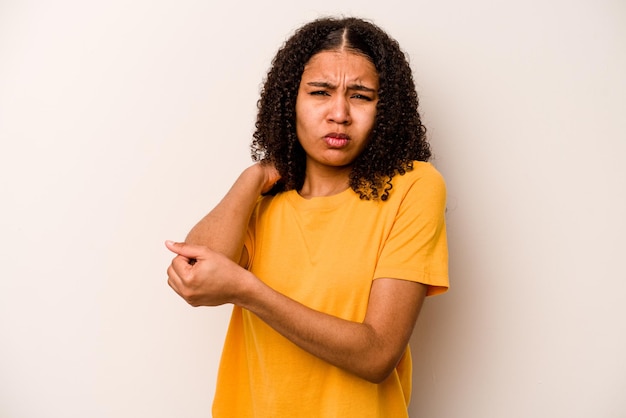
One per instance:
[(123, 122)]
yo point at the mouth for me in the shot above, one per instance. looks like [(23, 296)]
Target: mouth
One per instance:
[(336, 140)]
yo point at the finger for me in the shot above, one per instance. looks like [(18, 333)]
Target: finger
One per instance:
[(177, 283), (182, 266), (190, 251), (173, 279)]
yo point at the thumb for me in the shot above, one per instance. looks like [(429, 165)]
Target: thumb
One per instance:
[(186, 250)]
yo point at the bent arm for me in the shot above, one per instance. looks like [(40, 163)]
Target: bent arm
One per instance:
[(371, 349), (224, 228)]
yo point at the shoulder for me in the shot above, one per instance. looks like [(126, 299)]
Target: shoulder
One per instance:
[(424, 177), (423, 170)]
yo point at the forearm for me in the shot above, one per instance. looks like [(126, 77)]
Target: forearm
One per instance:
[(370, 349), (223, 229)]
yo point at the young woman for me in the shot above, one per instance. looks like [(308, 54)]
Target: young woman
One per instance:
[(329, 243)]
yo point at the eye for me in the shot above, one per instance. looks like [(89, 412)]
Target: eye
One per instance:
[(361, 97), (319, 93)]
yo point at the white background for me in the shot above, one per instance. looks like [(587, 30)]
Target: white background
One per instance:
[(123, 122)]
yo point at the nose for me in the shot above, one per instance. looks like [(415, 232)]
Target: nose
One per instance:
[(339, 110)]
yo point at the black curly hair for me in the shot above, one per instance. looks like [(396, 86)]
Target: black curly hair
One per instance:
[(398, 137)]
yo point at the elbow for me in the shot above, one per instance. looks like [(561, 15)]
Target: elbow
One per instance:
[(378, 376), (379, 369), (378, 359)]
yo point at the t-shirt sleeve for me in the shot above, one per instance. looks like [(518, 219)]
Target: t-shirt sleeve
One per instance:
[(416, 248)]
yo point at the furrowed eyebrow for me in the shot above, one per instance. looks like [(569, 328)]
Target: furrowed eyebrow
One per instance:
[(326, 85), (321, 84), (360, 87)]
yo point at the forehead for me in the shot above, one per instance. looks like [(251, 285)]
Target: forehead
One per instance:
[(332, 64)]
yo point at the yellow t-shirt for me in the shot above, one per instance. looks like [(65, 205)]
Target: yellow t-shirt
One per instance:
[(324, 253)]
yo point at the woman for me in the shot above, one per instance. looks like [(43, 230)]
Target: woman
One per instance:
[(329, 243)]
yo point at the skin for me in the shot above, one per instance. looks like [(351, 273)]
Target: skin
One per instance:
[(335, 114), (333, 126)]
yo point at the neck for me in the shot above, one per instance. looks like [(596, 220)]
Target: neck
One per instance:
[(325, 183)]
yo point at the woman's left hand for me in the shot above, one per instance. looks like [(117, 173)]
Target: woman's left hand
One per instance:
[(203, 277)]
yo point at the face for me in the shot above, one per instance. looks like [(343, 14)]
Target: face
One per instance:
[(336, 108)]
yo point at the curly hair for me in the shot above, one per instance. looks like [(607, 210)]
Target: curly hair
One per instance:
[(398, 137)]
